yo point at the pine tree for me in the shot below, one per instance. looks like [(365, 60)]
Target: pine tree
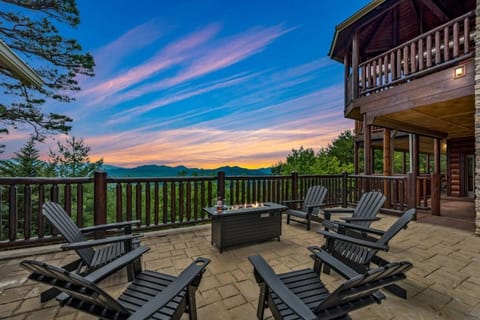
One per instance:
[(72, 159), (26, 163), (31, 29)]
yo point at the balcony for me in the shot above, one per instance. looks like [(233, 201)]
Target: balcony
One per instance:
[(443, 47)]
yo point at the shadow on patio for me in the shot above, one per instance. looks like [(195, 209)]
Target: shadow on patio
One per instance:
[(444, 283)]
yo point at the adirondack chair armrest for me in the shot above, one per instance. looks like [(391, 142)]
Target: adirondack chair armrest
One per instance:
[(357, 227), (99, 242), (348, 219), (317, 205), (288, 202), (116, 264), (339, 210), (109, 226), (185, 279), (340, 267), (364, 243), (266, 274)]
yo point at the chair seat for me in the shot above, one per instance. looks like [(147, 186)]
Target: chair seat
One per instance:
[(306, 285), (297, 213), (146, 285), (107, 254)]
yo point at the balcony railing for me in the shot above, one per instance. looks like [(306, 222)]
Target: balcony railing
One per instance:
[(430, 52), (169, 202)]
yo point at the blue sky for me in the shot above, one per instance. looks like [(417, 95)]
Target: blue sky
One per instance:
[(206, 83)]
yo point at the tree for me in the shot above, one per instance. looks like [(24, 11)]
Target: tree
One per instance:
[(72, 159), (342, 148), (31, 28), (301, 161), (26, 163)]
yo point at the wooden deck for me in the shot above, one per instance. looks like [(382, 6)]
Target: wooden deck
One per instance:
[(458, 213), (443, 284)]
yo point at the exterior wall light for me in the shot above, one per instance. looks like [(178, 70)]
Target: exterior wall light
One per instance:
[(459, 72)]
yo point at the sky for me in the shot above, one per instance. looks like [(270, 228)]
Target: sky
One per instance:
[(205, 83)]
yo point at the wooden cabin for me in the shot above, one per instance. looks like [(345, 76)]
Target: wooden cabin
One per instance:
[(410, 87)]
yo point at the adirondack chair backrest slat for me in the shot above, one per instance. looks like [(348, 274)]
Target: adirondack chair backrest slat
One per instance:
[(395, 228), (315, 195), (74, 285), (364, 285), (57, 216), (368, 206)]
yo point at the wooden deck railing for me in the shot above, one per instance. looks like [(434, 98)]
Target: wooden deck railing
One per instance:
[(172, 201), (430, 52)]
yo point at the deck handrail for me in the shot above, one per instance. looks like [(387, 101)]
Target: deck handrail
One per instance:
[(164, 202)]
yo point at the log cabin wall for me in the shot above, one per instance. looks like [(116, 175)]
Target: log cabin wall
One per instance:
[(457, 149)]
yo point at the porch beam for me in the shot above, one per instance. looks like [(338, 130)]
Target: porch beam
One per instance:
[(367, 149), (402, 126), (435, 178)]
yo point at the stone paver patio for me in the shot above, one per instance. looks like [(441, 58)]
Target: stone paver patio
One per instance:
[(444, 283)]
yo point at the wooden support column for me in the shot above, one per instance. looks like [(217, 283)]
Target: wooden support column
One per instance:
[(367, 150), (413, 172), (387, 164), (435, 178), (355, 157), (355, 62), (387, 153)]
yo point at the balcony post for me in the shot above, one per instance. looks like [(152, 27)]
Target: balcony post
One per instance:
[(435, 178), (387, 163), (294, 186), (344, 189), (355, 63), (221, 184), (99, 200), (367, 150), (412, 192)]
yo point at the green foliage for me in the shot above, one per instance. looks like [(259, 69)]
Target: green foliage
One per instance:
[(26, 163), (72, 159), (31, 28), (336, 158), (342, 148)]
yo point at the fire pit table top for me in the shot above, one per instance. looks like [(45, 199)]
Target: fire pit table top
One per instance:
[(244, 208)]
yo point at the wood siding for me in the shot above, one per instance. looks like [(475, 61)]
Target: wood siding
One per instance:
[(457, 149)]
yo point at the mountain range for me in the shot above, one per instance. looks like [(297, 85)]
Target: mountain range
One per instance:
[(166, 171)]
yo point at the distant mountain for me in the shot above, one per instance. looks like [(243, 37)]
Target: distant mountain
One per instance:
[(166, 171)]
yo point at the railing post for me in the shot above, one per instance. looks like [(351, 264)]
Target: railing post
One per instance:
[(344, 188), (294, 185), (99, 200), (221, 184), (411, 191)]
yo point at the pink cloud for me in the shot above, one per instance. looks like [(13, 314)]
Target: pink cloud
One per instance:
[(171, 55)]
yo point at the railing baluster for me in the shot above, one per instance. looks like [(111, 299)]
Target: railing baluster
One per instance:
[(129, 205), (405, 61), (189, 198), (12, 213), (173, 197), (80, 205), (413, 60), (466, 35), (420, 55), (165, 202), (156, 203), (429, 51), (437, 48), (41, 220), (180, 201), (27, 212), (147, 204), (456, 44), (119, 202)]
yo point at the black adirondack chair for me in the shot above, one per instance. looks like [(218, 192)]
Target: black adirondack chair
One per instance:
[(151, 295), (90, 259), (311, 204), (363, 214), (302, 295), (360, 253)]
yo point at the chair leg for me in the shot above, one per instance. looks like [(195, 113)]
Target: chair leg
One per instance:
[(397, 290), (192, 304), (308, 222), (53, 292), (262, 300), (288, 219)]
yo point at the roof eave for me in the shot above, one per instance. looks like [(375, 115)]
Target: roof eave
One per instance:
[(18, 67), (351, 20)]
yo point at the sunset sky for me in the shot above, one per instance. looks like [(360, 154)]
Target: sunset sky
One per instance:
[(206, 83)]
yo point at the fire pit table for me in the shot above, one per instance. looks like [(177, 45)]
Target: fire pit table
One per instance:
[(240, 224)]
